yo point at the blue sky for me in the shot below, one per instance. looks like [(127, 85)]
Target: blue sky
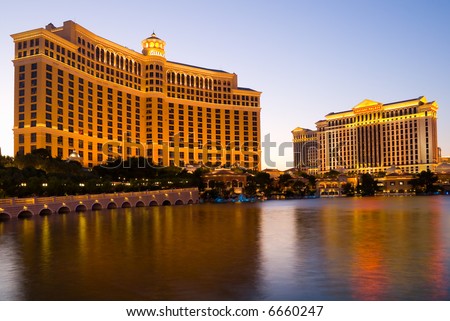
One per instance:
[(308, 58)]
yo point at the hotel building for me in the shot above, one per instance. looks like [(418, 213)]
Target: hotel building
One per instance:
[(371, 137), (305, 150), (77, 91)]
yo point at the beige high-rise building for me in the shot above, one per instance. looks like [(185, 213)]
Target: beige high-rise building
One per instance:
[(305, 150), (372, 137), (76, 91)]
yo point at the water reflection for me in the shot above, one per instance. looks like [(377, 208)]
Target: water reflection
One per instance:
[(10, 268), (158, 253), (335, 249), (280, 259), (363, 249)]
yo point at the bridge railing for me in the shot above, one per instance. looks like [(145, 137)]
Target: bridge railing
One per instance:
[(80, 197), (44, 200), (6, 201), (24, 201)]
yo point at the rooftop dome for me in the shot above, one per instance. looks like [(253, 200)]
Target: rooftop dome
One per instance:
[(153, 46), (75, 157)]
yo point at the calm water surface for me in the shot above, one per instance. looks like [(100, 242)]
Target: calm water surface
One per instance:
[(319, 249)]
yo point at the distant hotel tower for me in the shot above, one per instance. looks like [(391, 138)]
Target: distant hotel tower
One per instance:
[(305, 150), (76, 91), (371, 138)]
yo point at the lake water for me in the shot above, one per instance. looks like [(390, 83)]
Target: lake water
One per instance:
[(315, 249)]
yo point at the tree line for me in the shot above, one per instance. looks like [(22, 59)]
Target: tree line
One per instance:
[(40, 174)]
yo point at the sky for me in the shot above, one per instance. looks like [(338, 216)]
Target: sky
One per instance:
[(308, 58)]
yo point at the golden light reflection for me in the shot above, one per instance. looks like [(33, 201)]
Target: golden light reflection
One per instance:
[(386, 249), (28, 230), (437, 274), (98, 226), (82, 241), (46, 252), (352, 249), (129, 229), (368, 268)]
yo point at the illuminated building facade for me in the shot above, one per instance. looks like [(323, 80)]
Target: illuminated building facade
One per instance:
[(76, 91), (372, 137), (305, 150)]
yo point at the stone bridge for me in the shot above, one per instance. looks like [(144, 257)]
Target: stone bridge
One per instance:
[(27, 207)]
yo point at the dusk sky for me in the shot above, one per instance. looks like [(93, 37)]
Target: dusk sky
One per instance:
[(308, 58)]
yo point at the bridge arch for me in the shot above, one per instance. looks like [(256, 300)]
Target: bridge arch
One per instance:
[(140, 204), (166, 203), (111, 205), (179, 202), (190, 201), (97, 207), (4, 216), (81, 208), (126, 204), (45, 212), (153, 203), (25, 214), (64, 210)]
